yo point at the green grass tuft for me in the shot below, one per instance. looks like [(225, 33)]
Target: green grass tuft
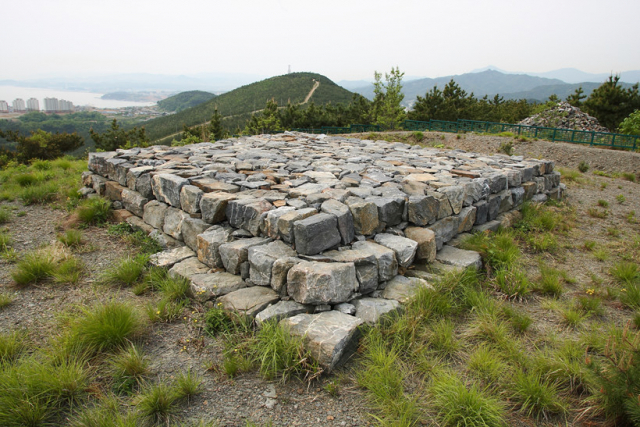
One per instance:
[(71, 238), (459, 405), (94, 211), (34, 267), (537, 396), (128, 368), (126, 272)]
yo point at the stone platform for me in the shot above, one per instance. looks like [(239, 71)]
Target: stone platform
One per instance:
[(313, 230)]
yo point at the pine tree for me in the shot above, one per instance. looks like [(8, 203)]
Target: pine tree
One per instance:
[(216, 130), (576, 97), (387, 110), (611, 104)]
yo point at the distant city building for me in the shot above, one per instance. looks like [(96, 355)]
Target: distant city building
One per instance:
[(64, 105), (51, 104), (4, 107), (33, 104), (18, 105)]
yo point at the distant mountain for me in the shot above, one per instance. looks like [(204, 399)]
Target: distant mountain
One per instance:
[(542, 93), (489, 82), (572, 75), (354, 84), (237, 105), (184, 100)]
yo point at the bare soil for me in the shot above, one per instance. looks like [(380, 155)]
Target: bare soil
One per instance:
[(178, 346)]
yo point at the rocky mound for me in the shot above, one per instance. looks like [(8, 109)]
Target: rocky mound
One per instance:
[(565, 116)]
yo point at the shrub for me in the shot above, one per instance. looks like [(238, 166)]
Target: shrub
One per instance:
[(506, 148)]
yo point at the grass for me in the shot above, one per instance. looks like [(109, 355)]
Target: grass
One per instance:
[(157, 403), (126, 272), (458, 405), (105, 327), (12, 345), (5, 299), (94, 211), (625, 272), (128, 368), (35, 267), (487, 364), (442, 339), (5, 215), (536, 396), (549, 282), (71, 238)]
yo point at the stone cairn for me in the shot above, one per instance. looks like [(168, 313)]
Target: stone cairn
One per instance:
[(318, 232), (565, 116)]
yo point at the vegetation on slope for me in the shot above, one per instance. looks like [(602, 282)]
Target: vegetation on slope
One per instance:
[(185, 100), (292, 87)]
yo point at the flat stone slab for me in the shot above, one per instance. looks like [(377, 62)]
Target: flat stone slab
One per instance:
[(331, 337), (402, 288), (167, 259), (212, 285), (187, 268), (405, 249), (282, 310), (372, 310), (460, 258), (322, 283), (249, 301)]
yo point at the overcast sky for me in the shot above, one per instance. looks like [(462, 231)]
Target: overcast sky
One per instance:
[(342, 39)]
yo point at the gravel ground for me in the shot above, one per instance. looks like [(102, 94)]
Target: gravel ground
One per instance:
[(181, 345)]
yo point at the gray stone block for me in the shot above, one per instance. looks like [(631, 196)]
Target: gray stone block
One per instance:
[(190, 196), (208, 244), (403, 289), (167, 259), (405, 249), (344, 217), (366, 267), (209, 286), (249, 301), (185, 269), (247, 214), (373, 310), (390, 209), (460, 258), (191, 227), (423, 210), (286, 221), (331, 337), (166, 188), (385, 257), (316, 234), (214, 206), (279, 272), (282, 310), (173, 219), (134, 202), (365, 216), (426, 240), (322, 283), (235, 253), (261, 259)]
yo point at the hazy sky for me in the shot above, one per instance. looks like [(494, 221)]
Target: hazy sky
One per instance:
[(342, 39)]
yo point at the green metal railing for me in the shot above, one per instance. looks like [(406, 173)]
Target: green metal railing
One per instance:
[(599, 139)]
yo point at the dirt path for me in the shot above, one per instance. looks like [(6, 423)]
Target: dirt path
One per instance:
[(310, 94)]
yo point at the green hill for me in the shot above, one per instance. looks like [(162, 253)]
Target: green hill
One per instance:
[(237, 105), (185, 100)]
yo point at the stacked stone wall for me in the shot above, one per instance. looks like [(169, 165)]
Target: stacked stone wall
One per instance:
[(293, 226)]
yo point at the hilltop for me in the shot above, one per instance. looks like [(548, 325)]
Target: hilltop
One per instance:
[(185, 100), (237, 105)]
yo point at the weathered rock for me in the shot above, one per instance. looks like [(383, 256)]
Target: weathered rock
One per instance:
[(426, 240), (166, 187), (208, 244), (286, 221), (261, 259), (445, 230), (466, 219), (247, 214), (235, 253), (154, 213), (190, 197), (365, 216), (209, 286), (385, 257), (423, 210), (390, 209), (373, 310), (167, 259), (173, 220), (279, 271), (138, 224), (214, 206), (134, 202), (249, 301), (164, 240), (444, 207), (316, 234), (282, 310), (270, 224), (455, 194), (366, 267), (191, 227), (187, 268), (346, 308), (322, 283), (403, 289), (331, 337), (405, 249), (344, 217), (460, 258), (113, 190)]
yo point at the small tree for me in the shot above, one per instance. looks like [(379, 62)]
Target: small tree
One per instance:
[(631, 125), (268, 121), (610, 103), (116, 137), (216, 130), (387, 110), (576, 97)]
